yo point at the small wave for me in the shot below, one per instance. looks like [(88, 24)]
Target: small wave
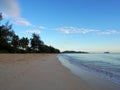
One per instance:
[(106, 70)]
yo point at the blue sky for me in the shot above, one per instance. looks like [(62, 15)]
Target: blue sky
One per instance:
[(85, 25)]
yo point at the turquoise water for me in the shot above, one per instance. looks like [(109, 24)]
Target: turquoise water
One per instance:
[(106, 65)]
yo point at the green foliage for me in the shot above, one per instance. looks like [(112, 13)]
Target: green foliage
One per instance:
[(1, 17), (23, 42), (10, 42), (6, 34), (15, 41), (36, 43)]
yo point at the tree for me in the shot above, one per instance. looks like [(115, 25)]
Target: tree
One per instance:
[(24, 43), (53, 50), (36, 43), (6, 34), (15, 41), (10, 43), (1, 17)]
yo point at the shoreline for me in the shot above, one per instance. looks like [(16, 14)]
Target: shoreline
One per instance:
[(92, 78), (41, 72)]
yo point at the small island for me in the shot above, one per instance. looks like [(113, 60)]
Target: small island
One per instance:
[(75, 52), (106, 52)]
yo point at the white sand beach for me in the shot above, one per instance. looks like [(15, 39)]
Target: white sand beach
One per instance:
[(37, 72)]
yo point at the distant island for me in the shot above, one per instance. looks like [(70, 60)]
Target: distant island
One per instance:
[(75, 52), (106, 52)]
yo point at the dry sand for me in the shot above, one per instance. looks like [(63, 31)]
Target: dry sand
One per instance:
[(42, 72), (37, 72)]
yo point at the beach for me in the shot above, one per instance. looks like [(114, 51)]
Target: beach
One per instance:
[(38, 72)]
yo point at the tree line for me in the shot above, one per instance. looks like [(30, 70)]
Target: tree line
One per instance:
[(11, 43)]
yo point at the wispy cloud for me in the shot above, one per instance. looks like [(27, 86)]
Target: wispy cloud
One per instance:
[(42, 27), (108, 32), (74, 30), (11, 10), (33, 31), (22, 21)]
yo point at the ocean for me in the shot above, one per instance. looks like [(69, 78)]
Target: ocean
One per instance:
[(106, 65)]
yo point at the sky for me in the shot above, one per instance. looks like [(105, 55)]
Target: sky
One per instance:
[(81, 25)]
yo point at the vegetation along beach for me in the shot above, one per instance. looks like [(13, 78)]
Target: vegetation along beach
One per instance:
[(59, 45)]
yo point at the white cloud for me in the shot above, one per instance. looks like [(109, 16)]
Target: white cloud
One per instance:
[(74, 30), (33, 31), (4, 15), (42, 27), (64, 30), (11, 9), (109, 32), (22, 21)]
